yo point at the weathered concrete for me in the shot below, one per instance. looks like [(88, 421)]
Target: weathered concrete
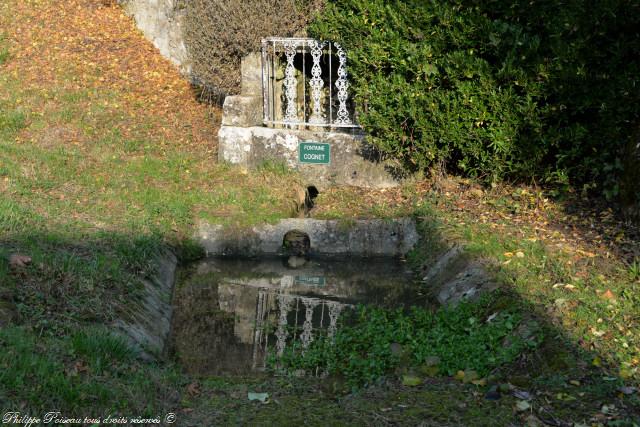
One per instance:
[(375, 237), (161, 22), (148, 322), (455, 276), (353, 161), (243, 111), (251, 68)]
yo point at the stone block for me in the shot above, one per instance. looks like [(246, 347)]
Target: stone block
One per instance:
[(353, 161), (373, 237), (251, 68), (162, 23), (242, 111)]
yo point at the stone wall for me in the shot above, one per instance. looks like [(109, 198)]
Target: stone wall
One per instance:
[(243, 140), (373, 237), (147, 322), (161, 22)]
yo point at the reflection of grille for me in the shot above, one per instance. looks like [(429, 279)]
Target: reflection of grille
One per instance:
[(304, 83), (319, 314)]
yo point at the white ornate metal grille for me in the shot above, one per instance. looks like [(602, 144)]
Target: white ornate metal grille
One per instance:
[(305, 83)]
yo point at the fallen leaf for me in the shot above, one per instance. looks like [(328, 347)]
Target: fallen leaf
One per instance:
[(193, 389), (608, 295), (493, 316), (411, 380), (261, 397), (625, 373), (469, 376), (521, 394), (17, 261), (608, 409), (522, 405), (597, 362), (627, 390), (565, 397)]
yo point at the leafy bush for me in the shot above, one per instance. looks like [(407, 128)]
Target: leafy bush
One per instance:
[(218, 33), (494, 88), (460, 337)]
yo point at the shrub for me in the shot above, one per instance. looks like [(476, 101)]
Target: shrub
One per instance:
[(219, 33), (494, 88)]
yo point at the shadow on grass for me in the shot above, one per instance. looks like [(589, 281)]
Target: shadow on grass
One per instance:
[(54, 337)]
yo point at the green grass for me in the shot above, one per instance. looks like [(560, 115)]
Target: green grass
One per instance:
[(92, 201), (275, 167), (93, 204), (92, 372), (4, 50), (634, 270)]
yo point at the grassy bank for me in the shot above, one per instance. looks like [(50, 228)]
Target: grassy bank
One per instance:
[(105, 157)]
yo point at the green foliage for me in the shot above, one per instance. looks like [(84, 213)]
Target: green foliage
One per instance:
[(494, 88), (461, 337)]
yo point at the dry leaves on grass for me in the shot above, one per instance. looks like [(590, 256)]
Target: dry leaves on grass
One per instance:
[(19, 261), (95, 50)]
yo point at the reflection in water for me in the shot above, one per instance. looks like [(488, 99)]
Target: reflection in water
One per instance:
[(229, 314)]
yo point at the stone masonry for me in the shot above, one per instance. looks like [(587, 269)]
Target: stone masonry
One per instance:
[(161, 22), (244, 140)]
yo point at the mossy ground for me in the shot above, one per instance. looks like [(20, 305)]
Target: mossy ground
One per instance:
[(106, 156)]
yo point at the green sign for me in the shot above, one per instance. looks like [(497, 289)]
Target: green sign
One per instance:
[(309, 280), (314, 152)]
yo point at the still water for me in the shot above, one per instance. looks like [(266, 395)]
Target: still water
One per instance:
[(229, 314)]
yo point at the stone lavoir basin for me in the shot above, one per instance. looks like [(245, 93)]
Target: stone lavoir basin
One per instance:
[(264, 289), (229, 314)]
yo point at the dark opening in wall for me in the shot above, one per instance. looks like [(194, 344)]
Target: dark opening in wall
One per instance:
[(310, 197), (296, 243)]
